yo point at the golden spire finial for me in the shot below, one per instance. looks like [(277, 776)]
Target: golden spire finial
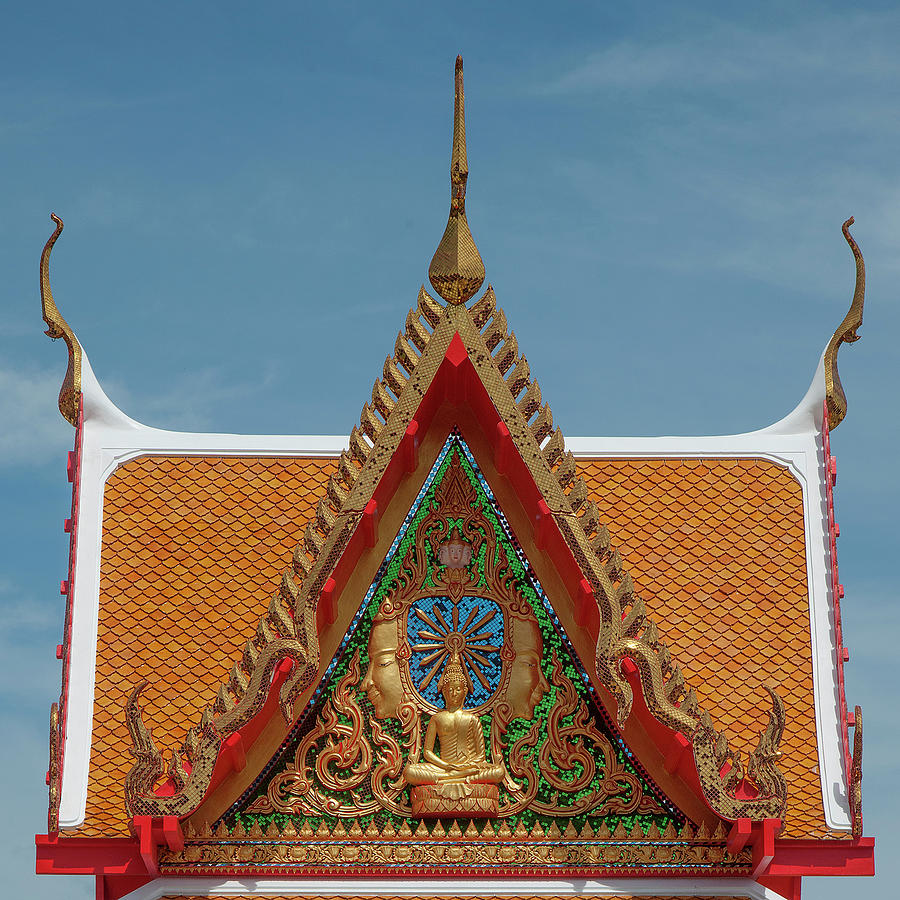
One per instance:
[(456, 269)]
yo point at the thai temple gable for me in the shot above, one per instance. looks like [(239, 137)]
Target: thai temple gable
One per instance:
[(633, 644)]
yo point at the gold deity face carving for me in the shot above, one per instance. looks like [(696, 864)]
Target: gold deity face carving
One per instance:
[(527, 684), (382, 682)]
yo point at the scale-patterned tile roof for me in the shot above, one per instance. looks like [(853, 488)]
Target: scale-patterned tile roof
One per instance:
[(193, 547)]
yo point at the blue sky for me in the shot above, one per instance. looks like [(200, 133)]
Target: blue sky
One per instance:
[(252, 198)]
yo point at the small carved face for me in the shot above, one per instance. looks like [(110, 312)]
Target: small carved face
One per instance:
[(382, 681), (527, 684), (455, 554)]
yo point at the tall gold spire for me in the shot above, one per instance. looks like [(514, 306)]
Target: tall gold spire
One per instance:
[(456, 269)]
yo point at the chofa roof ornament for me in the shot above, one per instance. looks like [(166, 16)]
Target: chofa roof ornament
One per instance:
[(456, 269), (835, 397), (58, 327)]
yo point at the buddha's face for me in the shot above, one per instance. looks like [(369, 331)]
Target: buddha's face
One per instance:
[(454, 690), (527, 684), (382, 682)]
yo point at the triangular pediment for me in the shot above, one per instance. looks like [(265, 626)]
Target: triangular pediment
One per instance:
[(459, 368), (378, 747)]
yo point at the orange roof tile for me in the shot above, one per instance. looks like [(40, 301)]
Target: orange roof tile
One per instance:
[(193, 548)]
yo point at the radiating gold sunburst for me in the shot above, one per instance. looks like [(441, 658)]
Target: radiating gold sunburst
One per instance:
[(440, 640)]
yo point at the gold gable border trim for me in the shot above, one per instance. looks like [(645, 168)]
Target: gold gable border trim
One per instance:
[(491, 846), (626, 631)]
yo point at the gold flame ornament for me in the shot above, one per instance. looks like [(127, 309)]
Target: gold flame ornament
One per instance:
[(456, 269)]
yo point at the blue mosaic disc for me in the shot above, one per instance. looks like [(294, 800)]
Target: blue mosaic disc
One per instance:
[(471, 629)]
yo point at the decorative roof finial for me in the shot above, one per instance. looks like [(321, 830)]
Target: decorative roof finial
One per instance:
[(456, 270), (58, 327), (846, 332)]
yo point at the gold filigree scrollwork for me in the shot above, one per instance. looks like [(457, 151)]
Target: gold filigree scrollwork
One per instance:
[(846, 332), (856, 774), (336, 756), (567, 763), (58, 327)]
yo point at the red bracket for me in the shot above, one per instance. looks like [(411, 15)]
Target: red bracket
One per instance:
[(369, 523), (457, 386), (234, 752), (764, 845), (676, 754), (739, 835), (503, 449), (409, 447), (542, 525), (154, 831), (585, 603), (327, 602)]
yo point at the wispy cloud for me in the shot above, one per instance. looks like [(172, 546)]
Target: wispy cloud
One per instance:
[(33, 431), (715, 54)]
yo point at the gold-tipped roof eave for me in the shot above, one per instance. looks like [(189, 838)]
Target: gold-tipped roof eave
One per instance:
[(58, 327), (846, 333), (457, 270)]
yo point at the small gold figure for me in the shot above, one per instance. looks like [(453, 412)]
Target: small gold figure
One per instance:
[(459, 781)]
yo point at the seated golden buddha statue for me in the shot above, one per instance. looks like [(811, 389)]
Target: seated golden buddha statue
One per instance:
[(459, 780)]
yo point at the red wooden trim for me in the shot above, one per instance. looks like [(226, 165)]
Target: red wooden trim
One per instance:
[(738, 836), (369, 524), (814, 857), (791, 859), (233, 749), (87, 856), (409, 447), (326, 610), (678, 753), (764, 845)]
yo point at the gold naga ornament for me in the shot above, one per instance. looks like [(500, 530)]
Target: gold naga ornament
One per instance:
[(835, 398)]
